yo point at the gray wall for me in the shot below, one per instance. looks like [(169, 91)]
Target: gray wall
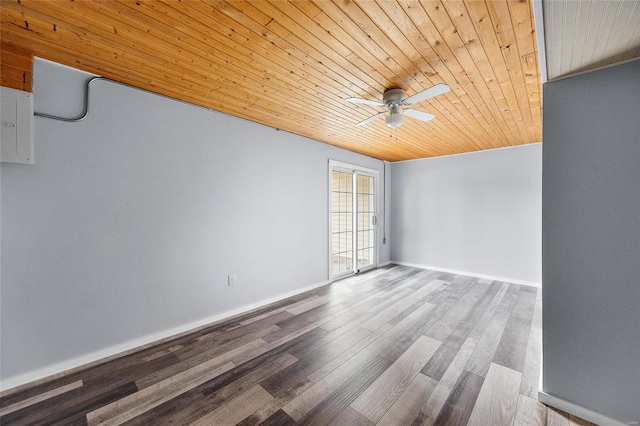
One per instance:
[(591, 241), (478, 213), (130, 221)]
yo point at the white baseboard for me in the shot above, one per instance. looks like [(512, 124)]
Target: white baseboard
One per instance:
[(471, 274), (578, 410), (384, 264), (112, 352)]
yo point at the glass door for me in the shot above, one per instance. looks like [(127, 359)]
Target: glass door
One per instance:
[(353, 219), (341, 223), (365, 222)]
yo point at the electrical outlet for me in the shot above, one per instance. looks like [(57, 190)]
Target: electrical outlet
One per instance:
[(232, 280)]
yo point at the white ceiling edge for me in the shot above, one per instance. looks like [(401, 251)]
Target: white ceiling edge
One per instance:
[(467, 152), (590, 70), (538, 21)]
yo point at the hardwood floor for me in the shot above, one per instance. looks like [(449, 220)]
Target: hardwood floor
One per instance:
[(395, 346)]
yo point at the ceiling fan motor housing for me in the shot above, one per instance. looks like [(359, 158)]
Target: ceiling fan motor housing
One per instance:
[(393, 96)]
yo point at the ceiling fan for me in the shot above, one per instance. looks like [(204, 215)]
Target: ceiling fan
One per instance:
[(394, 99)]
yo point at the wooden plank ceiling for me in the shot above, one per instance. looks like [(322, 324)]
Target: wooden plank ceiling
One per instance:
[(292, 64)]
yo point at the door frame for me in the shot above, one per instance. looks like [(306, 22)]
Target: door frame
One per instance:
[(352, 168)]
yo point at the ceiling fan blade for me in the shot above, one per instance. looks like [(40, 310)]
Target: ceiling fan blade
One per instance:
[(365, 101), (436, 90), (370, 119), (420, 115)]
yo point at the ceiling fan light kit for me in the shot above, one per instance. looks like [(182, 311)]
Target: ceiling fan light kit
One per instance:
[(394, 99), (395, 117)]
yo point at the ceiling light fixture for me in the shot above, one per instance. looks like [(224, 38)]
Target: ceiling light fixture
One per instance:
[(395, 99), (395, 117)]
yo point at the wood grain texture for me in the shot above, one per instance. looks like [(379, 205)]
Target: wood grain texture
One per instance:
[(460, 402), (431, 410), (557, 418), (377, 399), (199, 401), (319, 365), (512, 348), (70, 407), (407, 323), (194, 361), (144, 400), (498, 397), (529, 412), (456, 332), (291, 64), (331, 407), (329, 383), (279, 418), (407, 406), (276, 404), (237, 409), (401, 305), (16, 66), (533, 357), (362, 347), (350, 417), (38, 398), (484, 351)]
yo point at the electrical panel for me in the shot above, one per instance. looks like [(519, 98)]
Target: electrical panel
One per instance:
[(16, 136)]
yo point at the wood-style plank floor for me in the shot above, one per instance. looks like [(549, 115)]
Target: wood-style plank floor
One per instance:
[(395, 346)]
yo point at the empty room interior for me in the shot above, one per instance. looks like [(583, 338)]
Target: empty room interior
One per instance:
[(314, 212)]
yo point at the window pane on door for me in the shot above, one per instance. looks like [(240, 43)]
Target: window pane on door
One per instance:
[(341, 223), (365, 225)]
